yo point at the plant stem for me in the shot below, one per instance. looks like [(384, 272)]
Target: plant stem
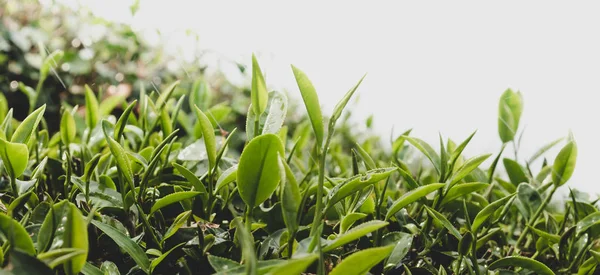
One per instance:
[(13, 185), (536, 216), (474, 255), (315, 231)]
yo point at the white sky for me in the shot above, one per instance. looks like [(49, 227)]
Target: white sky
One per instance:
[(435, 67)]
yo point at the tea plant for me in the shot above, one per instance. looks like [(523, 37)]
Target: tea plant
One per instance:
[(160, 190)]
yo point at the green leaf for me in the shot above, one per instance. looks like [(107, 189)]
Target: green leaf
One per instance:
[(24, 263), (276, 115), (179, 221), (353, 234), (427, 150), (208, 135), (89, 269), (125, 243), (445, 222), (294, 266), (258, 169), (172, 198), (488, 211), (16, 235), (290, 196), (349, 220), (509, 114), (60, 256), (311, 101), (226, 177), (50, 62), (339, 107), (522, 262), (357, 183), (15, 157), (544, 149), (166, 94), (564, 164), (587, 222), (369, 162), (463, 189), (552, 238), (200, 95), (259, 94), (109, 104), (161, 258), (68, 128), (411, 197), (402, 243), (122, 122), (91, 108), (515, 171), (220, 264), (468, 167), (362, 261), (65, 228), (119, 154), (195, 181), (110, 268), (28, 126), (458, 151)]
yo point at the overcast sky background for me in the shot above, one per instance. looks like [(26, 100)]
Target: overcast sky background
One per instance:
[(435, 67)]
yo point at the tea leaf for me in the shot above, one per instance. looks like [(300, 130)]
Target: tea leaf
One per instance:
[(444, 221), (353, 234), (509, 114), (125, 243), (515, 171), (208, 135), (172, 198), (357, 183), (67, 128), (522, 262), (311, 101), (463, 189), (544, 149), (411, 197), (91, 108), (166, 94), (294, 266), (488, 211), (119, 154), (195, 181), (220, 264), (339, 107), (28, 126), (259, 94), (122, 122), (227, 177), (16, 235), (468, 167), (402, 243), (290, 196), (362, 261), (564, 164), (258, 170), (427, 150), (15, 157)]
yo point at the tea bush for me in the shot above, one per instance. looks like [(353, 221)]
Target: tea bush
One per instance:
[(134, 195), (183, 182)]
